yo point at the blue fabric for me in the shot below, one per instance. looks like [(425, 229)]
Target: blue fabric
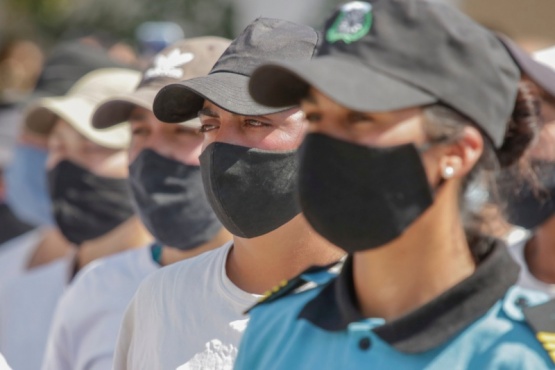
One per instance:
[(26, 186), (277, 339)]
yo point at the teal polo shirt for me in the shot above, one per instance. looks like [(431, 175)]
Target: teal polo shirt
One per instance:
[(477, 324)]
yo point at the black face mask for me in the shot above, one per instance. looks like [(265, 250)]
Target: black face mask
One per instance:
[(358, 197), (87, 206), (171, 201), (252, 191), (529, 208)]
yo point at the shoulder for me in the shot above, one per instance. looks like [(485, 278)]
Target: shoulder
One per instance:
[(120, 265), (300, 288), (114, 276), (522, 326), (164, 278)]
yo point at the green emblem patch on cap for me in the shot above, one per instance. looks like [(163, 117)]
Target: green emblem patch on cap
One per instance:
[(353, 22)]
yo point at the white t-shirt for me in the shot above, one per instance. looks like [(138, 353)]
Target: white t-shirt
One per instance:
[(3, 363), (186, 316), (15, 254), (89, 314), (27, 306), (526, 279)]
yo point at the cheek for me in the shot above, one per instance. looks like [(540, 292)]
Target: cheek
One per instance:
[(288, 136), (113, 165), (545, 147), (431, 166), (189, 150), (133, 152)]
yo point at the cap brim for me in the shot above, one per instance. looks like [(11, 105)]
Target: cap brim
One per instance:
[(346, 82), (41, 117), (118, 108), (541, 74), (182, 101)]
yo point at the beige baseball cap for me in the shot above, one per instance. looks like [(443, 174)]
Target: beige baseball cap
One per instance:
[(180, 61), (77, 106)]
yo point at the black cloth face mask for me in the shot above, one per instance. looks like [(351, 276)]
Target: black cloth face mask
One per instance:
[(87, 206), (171, 202), (360, 197), (251, 190), (528, 208)]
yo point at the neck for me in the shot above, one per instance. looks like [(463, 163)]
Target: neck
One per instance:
[(258, 264), (52, 247), (171, 255), (430, 257), (540, 252), (131, 234)]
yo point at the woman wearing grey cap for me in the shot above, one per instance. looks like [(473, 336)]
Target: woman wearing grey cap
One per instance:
[(408, 102)]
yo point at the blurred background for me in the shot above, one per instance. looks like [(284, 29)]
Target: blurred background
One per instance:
[(133, 30)]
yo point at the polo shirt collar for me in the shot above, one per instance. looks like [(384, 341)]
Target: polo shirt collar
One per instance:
[(430, 325)]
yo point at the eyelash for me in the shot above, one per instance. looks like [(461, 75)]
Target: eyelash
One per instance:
[(250, 122)]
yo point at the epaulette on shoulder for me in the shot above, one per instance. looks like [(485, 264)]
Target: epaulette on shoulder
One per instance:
[(286, 287), (542, 320)]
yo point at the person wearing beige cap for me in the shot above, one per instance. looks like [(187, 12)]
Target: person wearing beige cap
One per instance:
[(167, 190), (86, 173)]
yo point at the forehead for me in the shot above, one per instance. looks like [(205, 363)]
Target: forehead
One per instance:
[(317, 98)]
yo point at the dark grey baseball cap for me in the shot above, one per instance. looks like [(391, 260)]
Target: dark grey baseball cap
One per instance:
[(385, 55), (226, 85)]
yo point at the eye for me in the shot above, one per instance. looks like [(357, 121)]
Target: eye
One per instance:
[(313, 117), (357, 117), (136, 131), (206, 127), (255, 123)]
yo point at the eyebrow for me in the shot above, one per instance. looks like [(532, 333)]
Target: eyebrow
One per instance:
[(208, 112), (310, 98)]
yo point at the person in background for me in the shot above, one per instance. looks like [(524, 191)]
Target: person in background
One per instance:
[(87, 172), (12, 226), (189, 315), (531, 204), (167, 191), (25, 183), (27, 236), (408, 103)]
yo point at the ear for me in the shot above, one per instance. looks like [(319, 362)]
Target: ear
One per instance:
[(461, 156)]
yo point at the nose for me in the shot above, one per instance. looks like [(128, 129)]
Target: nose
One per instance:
[(229, 131), (161, 140)]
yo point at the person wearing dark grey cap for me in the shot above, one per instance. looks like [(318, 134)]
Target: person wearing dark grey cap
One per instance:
[(530, 205), (409, 103), (189, 315), (166, 188)]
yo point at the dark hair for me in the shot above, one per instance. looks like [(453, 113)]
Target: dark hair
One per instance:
[(444, 124)]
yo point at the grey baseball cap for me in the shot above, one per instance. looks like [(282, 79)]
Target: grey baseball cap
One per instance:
[(182, 60), (226, 85), (388, 55)]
